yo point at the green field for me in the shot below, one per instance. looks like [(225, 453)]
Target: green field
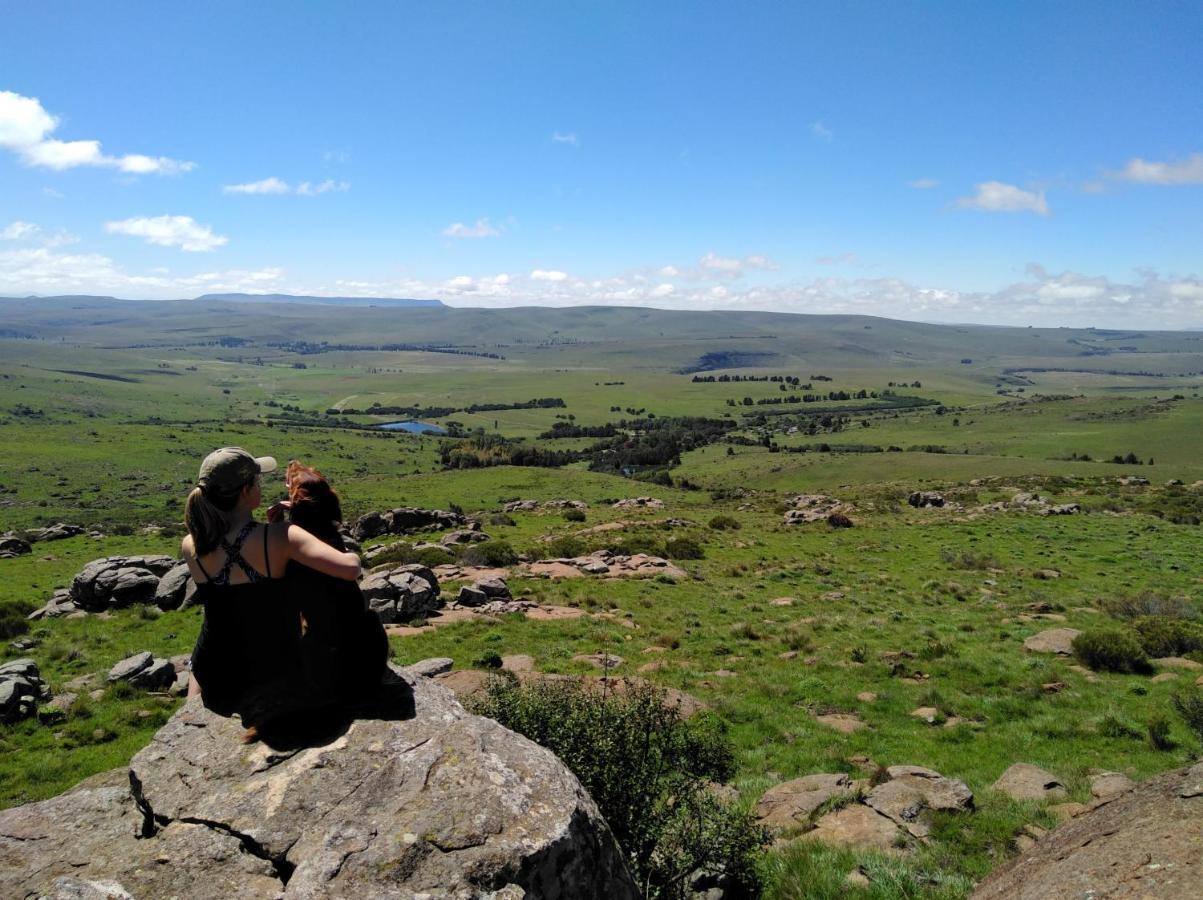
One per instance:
[(107, 411)]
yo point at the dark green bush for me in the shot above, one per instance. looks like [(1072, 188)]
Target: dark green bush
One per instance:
[(501, 519), (1110, 650), (560, 548), (490, 659), (725, 523), (574, 515), (648, 772), (490, 553), (13, 618), (1189, 705), (1163, 636), (683, 548), (1150, 604), (1158, 728)]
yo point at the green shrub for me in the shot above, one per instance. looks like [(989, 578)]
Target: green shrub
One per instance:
[(560, 548), (1150, 604), (501, 519), (574, 515), (725, 523), (1158, 728), (1110, 650), (490, 553), (647, 770), (1189, 705), (13, 618), (490, 659), (637, 543), (683, 548), (399, 554), (1163, 636), (434, 556)]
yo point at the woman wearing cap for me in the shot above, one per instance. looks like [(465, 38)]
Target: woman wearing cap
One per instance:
[(247, 658)]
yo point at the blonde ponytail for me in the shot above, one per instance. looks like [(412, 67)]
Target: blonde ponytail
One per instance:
[(207, 522)]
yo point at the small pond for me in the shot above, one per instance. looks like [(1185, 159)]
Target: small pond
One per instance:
[(413, 427)]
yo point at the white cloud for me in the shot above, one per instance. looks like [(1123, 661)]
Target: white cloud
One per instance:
[(25, 128), (712, 265), (821, 131), (305, 189), (52, 193), (170, 231), (923, 184), (548, 275), (837, 260), (995, 196), (668, 271), (564, 137), (18, 230), (274, 185), (662, 290), (271, 185), (1187, 171), (481, 229)]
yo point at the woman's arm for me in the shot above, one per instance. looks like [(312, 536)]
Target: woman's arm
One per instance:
[(309, 551)]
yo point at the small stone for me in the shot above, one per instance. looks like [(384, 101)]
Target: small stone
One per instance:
[(1055, 640), (857, 879), (1063, 812), (1163, 677), (600, 660), (518, 662), (866, 696), (1177, 662), (927, 713), (844, 724), (1023, 781), (1053, 687), (858, 827), (782, 601), (130, 666), (1110, 784)]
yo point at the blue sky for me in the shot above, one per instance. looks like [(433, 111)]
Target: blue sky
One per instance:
[(1024, 163)]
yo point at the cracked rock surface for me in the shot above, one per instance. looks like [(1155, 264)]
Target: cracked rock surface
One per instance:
[(422, 799)]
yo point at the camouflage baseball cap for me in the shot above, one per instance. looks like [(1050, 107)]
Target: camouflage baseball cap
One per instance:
[(230, 468)]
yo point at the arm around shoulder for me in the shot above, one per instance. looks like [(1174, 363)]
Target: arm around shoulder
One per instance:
[(309, 551)]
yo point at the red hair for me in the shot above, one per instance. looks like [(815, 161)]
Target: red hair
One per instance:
[(314, 502)]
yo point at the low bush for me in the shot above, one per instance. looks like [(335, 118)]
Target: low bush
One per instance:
[(574, 515), (559, 548), (490, 553), (725, 523), (1110, 650), (13, 618), (1163, 636), (648, 771), (501, 519), (1150, 604), (683, 548), (1189, 705), (490, 659), (1158, 731)]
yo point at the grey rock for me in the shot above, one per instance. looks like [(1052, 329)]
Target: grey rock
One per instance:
[(56, 532), (402, 593), (175, 588), (130, 666), (792, 803), (494, 588), (12, 546), (160, 675), (429, 668), (471, 596), (911, 791), (463, 536), (921, 499), (405, 520), (118, 581), (21, 690)]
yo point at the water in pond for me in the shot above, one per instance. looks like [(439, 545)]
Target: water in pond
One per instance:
[(413, 427)]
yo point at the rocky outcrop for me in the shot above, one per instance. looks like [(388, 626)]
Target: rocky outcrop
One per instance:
[(922, 499), (21, 690), (119, 581), (1144, 843), (638, 503), (55, 532), (416, 798), (403, 593), (483, 591), (146, 671), (176, 589), (807, 508), (405, 520), (12, 546)]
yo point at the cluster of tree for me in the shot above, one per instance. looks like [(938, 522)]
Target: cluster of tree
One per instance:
[(914, 384), (310, 347), (436, 412), (807, 398), (655, 443), (725, 379), (482, 450), (571, 430), (1131, 459)]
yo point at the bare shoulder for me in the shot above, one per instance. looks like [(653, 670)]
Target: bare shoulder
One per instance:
[(186, 548)]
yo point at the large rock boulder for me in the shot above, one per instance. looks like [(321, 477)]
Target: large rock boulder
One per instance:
[(402, 593), (418, 798), (1145, 843), (21, 690), (1023, 781), (145, 671), (406, 520), (12, 546), (1055, 640), (176, 589), (118, 581), (55, 532), (921, 499)]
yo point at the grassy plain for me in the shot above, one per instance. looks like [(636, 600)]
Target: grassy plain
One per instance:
[(953, 588)]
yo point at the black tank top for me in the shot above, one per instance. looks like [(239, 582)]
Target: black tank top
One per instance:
[(247, 658)]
